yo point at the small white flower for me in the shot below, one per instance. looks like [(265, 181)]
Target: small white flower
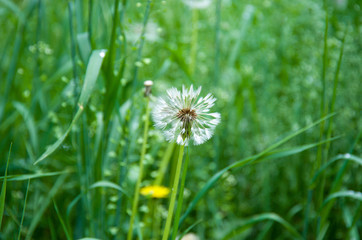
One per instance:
[(197, 4), (183, 116)]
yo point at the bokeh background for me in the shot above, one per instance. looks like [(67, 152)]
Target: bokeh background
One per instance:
[(274, 66)]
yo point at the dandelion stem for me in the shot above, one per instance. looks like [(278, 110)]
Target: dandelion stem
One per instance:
[(180, 197), (173, 194), (138, 184)]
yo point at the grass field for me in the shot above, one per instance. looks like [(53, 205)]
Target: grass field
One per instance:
[(79, 146)]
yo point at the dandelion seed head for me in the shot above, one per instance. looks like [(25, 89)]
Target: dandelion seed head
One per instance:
[(185, 117)]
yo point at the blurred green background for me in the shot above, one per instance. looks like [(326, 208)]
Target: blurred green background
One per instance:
[(274, 66)]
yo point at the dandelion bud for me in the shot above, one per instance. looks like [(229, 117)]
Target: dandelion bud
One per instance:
[(148, 85)]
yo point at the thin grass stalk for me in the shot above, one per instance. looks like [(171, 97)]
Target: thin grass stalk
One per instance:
[(15, 57), (90, 29), (138, 184), (23, 215), (318, 162), (164, 163), (157, 225), (151, 223), (325, 213), (194, 37), (306, 214), (140, 47), (37, 89), (337, 183), (173, 194), (217, 41), (334, 94), (323, 112), (355, 217), (123, 171), (73, 51), (180, 196)]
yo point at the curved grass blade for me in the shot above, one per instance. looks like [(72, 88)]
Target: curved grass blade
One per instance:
[(107, 184), (71, 205), (344, 194), (3, 188), (24, 177), (93, 68), (263, 217), (347, 156)]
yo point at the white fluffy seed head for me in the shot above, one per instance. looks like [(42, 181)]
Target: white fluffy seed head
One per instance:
[(184, 117)]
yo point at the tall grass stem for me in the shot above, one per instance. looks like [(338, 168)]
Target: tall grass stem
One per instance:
[(180, 196), (194, 37), (22, 216), (138, 184), (173, 194)]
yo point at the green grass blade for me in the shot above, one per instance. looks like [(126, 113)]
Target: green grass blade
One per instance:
[(66, 231), (91, 75), (23, 215), (245, 22), (322, 232), (164, 163), (107, 184), (189, 229), (292, 151), (260, 218), (94, 65), (347, 156), (3, 188), (343, 194), (14, 8), (44, 205), (24, 177), (85, 48)]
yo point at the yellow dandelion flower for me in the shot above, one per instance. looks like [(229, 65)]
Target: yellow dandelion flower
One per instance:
[(155, 191)]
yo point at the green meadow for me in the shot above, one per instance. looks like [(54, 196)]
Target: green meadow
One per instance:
[(81, 157)]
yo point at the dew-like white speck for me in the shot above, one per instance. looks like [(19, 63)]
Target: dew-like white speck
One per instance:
[(102, 54)]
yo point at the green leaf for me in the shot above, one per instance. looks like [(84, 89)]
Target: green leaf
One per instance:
[(91, 75), (93, 68), (3, 189), (259, 218)]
